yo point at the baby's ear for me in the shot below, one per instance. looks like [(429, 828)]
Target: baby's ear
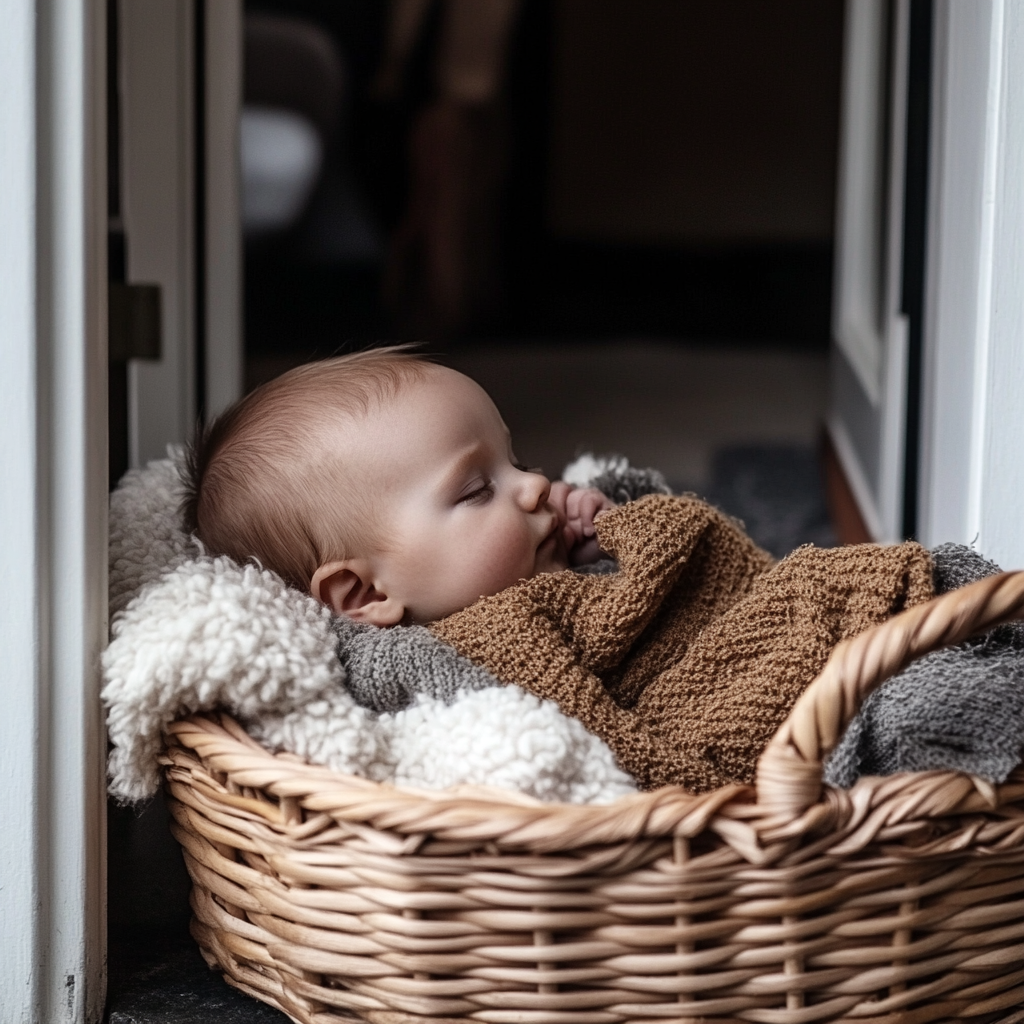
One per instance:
[(345, 588)]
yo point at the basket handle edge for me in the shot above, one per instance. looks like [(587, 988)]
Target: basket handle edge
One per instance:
[(789, 771)]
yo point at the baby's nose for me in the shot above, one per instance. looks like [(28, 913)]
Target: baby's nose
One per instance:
[(536, 491)]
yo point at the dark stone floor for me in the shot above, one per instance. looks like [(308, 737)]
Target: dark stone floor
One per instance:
[(155, 972), (168, 982)]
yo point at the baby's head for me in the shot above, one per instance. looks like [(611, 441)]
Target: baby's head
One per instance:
[(382, 484)]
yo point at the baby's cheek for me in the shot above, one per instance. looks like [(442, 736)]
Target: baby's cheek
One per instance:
[(505, 568), (509, 561)]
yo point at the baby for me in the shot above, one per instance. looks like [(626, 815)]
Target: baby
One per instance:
[(387, 488)]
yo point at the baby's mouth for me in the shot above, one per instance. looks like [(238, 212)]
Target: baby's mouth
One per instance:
[(550, 545), (552, 533)]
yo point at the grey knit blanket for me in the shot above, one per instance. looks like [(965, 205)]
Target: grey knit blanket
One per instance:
[(960, 708)]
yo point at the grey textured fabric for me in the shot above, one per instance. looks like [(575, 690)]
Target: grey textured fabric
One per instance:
[(387, 668), (622, 482), (602, 567), (961, 708)]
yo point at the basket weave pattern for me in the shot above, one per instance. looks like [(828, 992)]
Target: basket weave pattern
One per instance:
[(902, 899)]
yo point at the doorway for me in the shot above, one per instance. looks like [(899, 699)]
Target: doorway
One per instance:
[(657, 184)]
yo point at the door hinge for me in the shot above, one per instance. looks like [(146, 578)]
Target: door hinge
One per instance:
[(134, 319)]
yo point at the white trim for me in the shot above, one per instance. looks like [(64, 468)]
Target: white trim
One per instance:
[(893, 412), (972, 480), (860, 228), (19, 571), (223, 284), (52, 509), (1001, 484), (868, 327), (855, 477), (986, 237), (158, 169), (961, 161)]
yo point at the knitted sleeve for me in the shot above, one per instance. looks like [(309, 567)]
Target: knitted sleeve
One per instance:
[(652, 540), (595, 619), (520, 643)]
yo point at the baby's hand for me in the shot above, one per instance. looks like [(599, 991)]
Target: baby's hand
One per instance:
[(578, 507)]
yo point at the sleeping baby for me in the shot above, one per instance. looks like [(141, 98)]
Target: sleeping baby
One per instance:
[(387, 487)]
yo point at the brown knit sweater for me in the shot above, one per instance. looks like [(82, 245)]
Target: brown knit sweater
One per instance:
[(688, 659)]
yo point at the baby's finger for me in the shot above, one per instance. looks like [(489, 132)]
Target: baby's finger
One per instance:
[(560, 494), (592, 503), (572, 502)]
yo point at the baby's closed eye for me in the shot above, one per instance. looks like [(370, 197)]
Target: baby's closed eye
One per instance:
[(479, 493)]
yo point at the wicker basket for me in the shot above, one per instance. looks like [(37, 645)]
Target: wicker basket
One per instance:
[(787, 902)]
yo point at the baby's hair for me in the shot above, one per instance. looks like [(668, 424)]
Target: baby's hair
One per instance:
[(261, 480)]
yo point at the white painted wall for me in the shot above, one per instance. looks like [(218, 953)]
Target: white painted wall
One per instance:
[(53, 504), (972, 472)]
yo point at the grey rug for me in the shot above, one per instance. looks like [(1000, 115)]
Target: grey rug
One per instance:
[(776, 490)]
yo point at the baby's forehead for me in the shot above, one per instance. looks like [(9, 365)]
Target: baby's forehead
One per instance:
[(436, 401)]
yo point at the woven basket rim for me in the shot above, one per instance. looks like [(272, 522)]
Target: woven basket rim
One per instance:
[(508, 821), (222, 743), (226, 729)]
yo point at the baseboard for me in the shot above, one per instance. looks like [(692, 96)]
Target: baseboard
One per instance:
[(843, 510)]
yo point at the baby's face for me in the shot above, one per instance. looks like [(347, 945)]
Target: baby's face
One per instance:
[(459, 518)]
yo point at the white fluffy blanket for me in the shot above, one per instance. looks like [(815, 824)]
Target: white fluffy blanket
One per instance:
[(191, 633)]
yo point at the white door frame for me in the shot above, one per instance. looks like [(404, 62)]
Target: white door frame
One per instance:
[(53, 464), (53, 509), (869, 329), (972, 469), (970, 481)]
